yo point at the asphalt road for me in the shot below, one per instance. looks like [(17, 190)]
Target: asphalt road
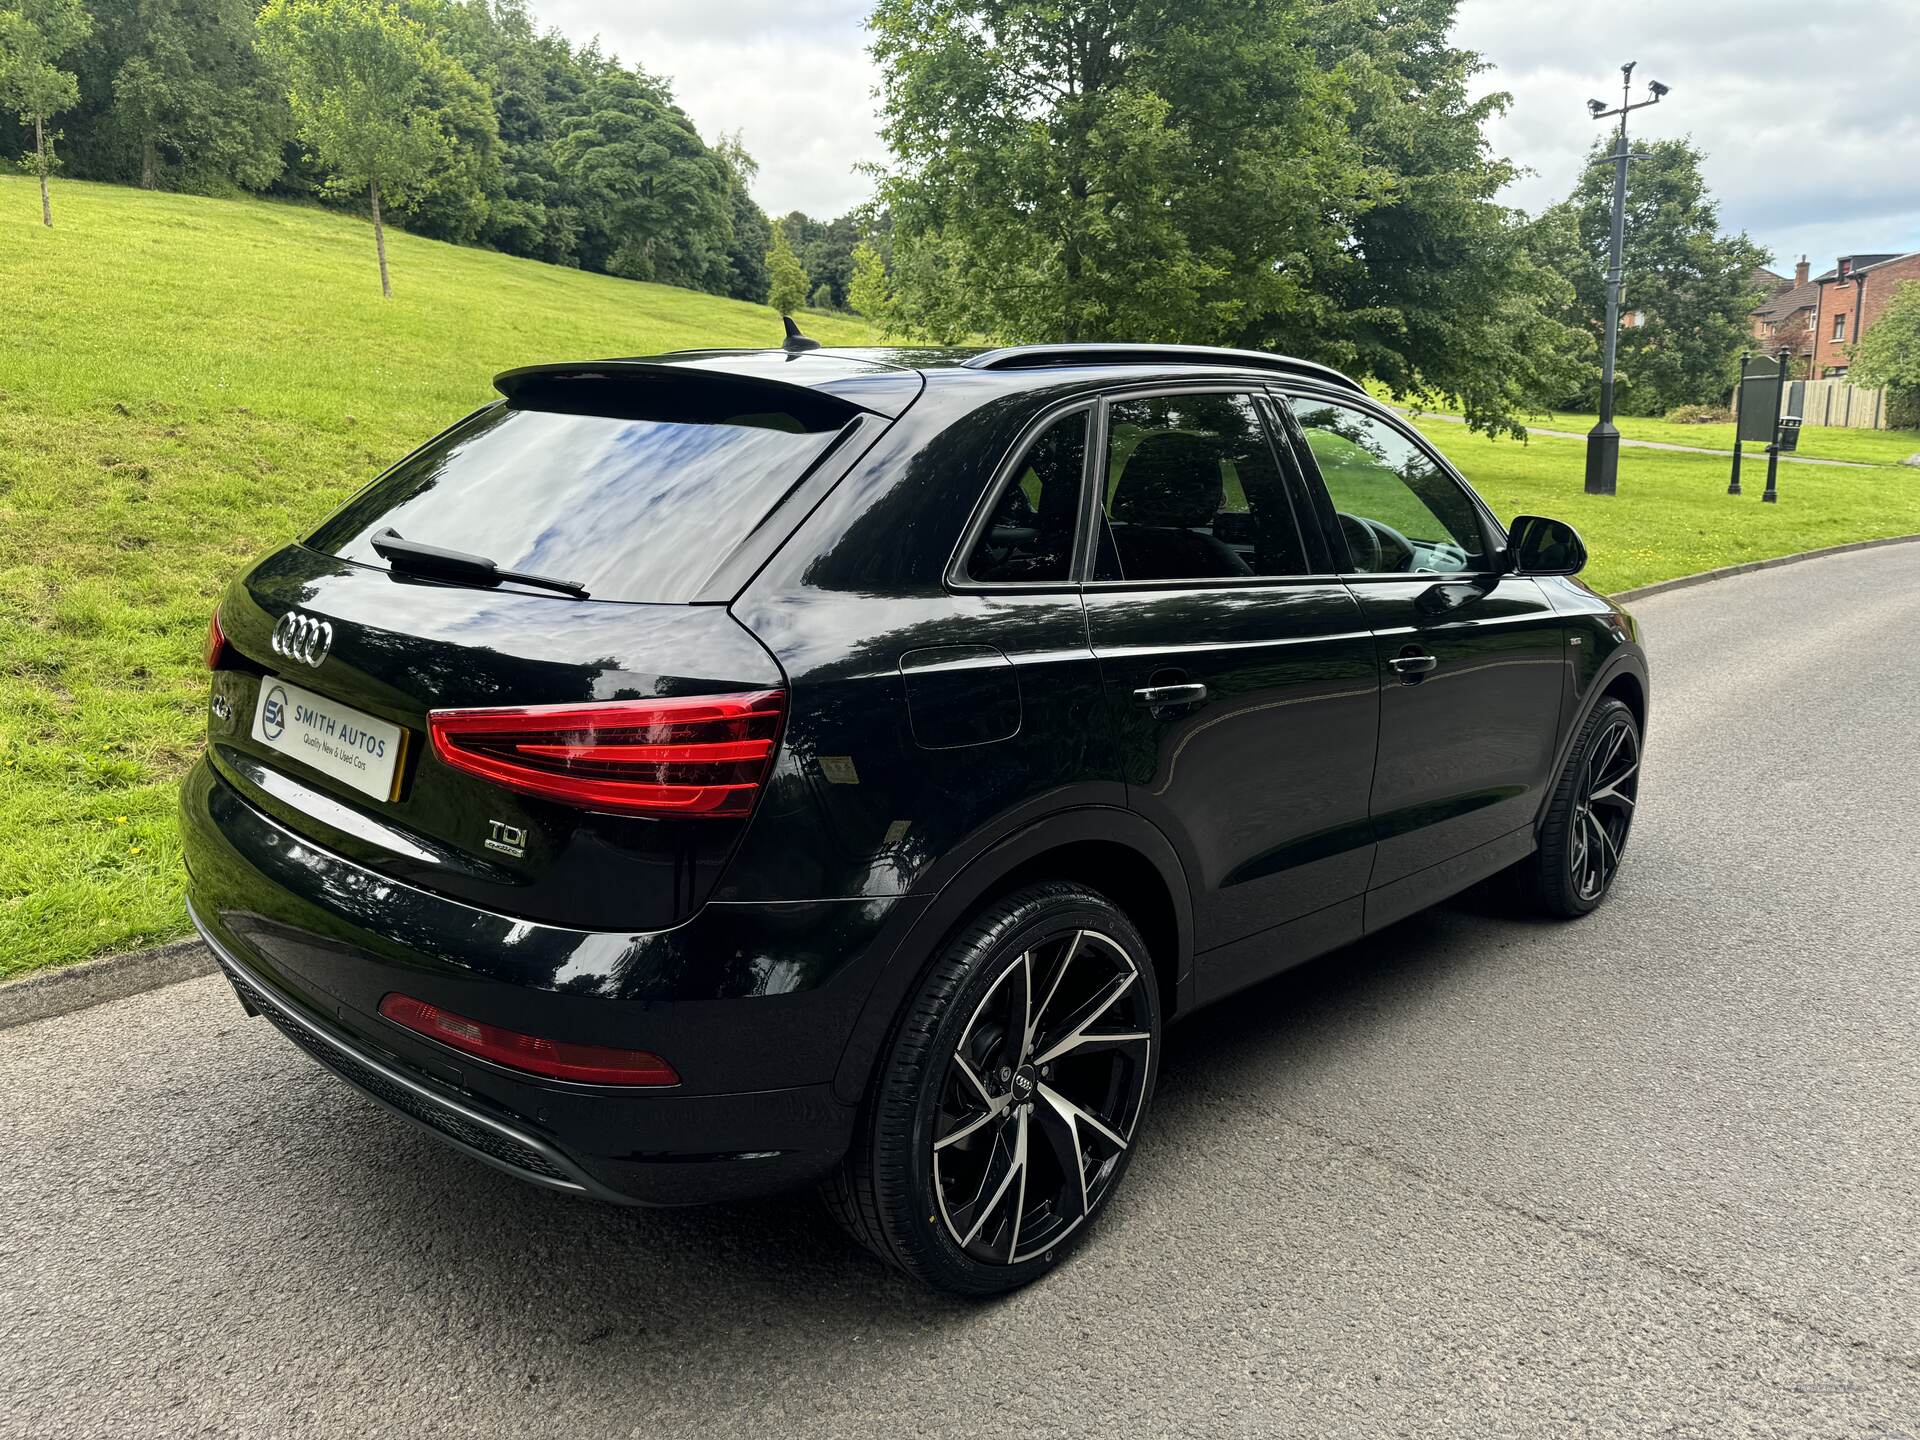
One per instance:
[(1651, 1174)]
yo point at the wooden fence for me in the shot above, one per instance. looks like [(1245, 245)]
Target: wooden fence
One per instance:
[(1836, 402)]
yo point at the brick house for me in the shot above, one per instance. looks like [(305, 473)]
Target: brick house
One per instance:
[(1785, 319), (1851, 297)]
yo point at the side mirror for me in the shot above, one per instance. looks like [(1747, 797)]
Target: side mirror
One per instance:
[(1539, 546)]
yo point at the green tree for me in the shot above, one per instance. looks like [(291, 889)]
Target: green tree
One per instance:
[(747, 277), (1443, 292), (1308, 175), (1083, 169), (787, 289), (359, 76), (1889, 354), (1694, 285), (868, 294), (657, 200), (35, 35), (173, 93)]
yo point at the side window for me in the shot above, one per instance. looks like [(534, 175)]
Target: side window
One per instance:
[(1401, 513), (1194, 493), (1030, 536)]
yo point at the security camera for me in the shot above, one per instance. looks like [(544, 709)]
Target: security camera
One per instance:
[(1627, 69), (1594, 107), (1657, 88)]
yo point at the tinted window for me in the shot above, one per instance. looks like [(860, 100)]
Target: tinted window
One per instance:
[(1194, 493), (1400, 512), (632, 508), (1030, 536)]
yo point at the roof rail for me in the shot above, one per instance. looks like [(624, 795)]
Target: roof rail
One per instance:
[(1034, 357)]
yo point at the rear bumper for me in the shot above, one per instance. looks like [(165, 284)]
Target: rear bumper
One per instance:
[(314, 942), (462, 1126)]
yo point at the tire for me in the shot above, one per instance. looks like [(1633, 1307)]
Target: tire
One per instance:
[(960, 1092), (1584, 834)]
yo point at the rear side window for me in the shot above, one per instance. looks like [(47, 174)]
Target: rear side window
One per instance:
[(632, 505), (1030, 535), (1194, 493)]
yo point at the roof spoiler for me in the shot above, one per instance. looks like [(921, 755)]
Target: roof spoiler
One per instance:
[(643, 389)]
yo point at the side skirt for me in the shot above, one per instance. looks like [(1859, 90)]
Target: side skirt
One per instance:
[(1435, 883)]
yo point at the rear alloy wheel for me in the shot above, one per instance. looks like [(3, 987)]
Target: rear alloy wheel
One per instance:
[(1009, 1106), (1585, 833)]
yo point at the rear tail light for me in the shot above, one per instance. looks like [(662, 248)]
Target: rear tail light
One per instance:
[(216, 655), (687, 755), (556, 1059)]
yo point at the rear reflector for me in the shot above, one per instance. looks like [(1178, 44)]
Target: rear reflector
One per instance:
[(556, 1059), (686, 755), (216, 654)]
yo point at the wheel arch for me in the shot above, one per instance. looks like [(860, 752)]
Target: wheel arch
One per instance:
[(1622, 677), (1113, 851)]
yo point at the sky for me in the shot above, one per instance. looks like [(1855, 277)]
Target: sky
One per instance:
[(1809, 113)]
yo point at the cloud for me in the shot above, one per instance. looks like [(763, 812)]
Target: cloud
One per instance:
[(1806, 112)]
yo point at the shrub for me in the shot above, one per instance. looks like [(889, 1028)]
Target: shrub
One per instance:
[(1700, 415)]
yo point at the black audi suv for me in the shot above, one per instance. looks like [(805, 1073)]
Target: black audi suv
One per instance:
[(729, 771)]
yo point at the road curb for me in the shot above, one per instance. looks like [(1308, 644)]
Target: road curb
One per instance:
[(1727, 572), (92, 982), (114, 977)]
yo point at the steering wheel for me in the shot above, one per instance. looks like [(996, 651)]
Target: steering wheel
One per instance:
[(1369, 540)]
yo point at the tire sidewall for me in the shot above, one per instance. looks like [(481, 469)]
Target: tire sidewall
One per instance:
[(1601, 718)]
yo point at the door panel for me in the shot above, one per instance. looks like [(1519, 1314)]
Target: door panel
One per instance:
[(1472, 661), (1262, 784), (1467, 746)]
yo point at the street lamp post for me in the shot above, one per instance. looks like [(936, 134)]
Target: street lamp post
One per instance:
[(1603, 441)]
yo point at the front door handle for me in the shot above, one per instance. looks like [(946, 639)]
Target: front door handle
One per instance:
[(1155, 695), (1412, 667)]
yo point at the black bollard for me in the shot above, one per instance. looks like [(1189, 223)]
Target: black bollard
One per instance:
[(1772, 497), (1734, 487)]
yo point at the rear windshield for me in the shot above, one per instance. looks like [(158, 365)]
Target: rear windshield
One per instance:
[(631, 507)]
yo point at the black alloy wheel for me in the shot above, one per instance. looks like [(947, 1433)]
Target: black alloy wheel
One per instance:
[(1603, 810), (1584, 835), (1009, 1108)]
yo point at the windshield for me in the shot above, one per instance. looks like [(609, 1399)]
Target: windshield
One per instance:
[(633, 508)]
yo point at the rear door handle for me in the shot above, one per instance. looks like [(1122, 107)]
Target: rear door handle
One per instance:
[(1414, 666), (1190, 694)]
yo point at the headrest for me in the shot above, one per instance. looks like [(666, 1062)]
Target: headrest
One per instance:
[(1171, 478)]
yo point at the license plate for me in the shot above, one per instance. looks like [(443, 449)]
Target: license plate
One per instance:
[(332, 738)]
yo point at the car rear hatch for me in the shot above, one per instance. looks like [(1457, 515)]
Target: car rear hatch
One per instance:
[(587, 756)]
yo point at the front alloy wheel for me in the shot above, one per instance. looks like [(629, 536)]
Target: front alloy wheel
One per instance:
[(1583, 834), (1008, 1107), (1603, 808)]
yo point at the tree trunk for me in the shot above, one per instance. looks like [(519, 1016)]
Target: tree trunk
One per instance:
[(379, 238), (146, 165), (40, 150)]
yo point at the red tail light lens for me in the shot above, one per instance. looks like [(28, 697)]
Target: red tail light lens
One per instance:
[(688, 755), (216, 655), (556, 1059)]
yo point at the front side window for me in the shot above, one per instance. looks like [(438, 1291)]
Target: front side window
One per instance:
[(1193, 493), (1400, 512), (1029, 538), (1840, 327)]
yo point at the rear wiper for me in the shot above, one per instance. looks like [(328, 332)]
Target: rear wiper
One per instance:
[(417, 559)]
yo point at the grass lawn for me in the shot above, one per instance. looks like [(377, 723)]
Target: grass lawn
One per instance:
[(184, 384), (187, 383), (1823, 442), (1672, 515)]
